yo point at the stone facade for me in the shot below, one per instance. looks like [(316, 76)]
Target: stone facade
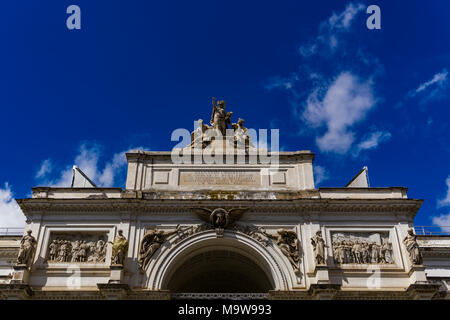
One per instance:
[(240, 228)]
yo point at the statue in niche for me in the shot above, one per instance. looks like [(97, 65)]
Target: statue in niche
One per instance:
[(318, 244), (27, 249), (220, 118), (413, 248), (288, 243), (151, 242), (119, 249)]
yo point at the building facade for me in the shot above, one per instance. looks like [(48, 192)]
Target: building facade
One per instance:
[(221, 218)]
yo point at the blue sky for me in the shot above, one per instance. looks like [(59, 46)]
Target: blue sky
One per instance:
[(137, 70)]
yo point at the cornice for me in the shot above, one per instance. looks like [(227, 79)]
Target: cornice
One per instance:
[(407, 207)]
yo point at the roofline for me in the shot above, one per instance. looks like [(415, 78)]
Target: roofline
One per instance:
[(356, 175), (139, 154)]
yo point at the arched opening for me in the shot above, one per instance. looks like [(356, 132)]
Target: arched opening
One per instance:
[(219, 271)]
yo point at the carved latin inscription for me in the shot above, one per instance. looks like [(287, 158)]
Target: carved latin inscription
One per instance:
[(220, 178)]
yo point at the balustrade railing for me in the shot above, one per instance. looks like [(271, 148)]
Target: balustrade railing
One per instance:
[(227, 296), (432, 230), (11, 231)]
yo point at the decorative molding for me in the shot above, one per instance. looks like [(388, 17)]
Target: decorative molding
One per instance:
[(408, 207)]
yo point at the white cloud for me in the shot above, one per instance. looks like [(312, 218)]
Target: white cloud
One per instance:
[(333, 88), (328, 38), (373, 140), (345, 18), (283, 83), (111, 169), (10, 213), (46, 168), (345, 102), (88, 160), (433, 89), (320, 174), (446, 200), (443, 221), (439, 79)]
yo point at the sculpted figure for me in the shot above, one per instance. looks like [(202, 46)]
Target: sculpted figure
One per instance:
[(27, 248), (288, 243), (413, 248), (318, 244), (348, 252), (75, 251), (338, 252), (151, 242), (365, 252), (387, 252), (220, 118), (119, 249), (100, 251), (62, 253), (375, 253), (220, 218), (53, 250), (357, 251), (200, 137), (82, 253), (241, 137)]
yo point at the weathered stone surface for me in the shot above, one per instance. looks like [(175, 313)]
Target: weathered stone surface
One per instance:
[(245, 223)]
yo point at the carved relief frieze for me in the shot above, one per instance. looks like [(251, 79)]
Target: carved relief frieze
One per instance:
[(187, 231), (362, 248), (77, 247), (252, 231), (255, 232)]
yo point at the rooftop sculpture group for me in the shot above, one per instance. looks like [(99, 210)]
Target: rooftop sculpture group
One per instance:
[(220, 128)]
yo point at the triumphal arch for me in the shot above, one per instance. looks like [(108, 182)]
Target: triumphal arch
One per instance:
[(220, 217)]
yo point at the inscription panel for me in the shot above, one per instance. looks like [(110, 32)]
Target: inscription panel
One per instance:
[(220, 178)]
